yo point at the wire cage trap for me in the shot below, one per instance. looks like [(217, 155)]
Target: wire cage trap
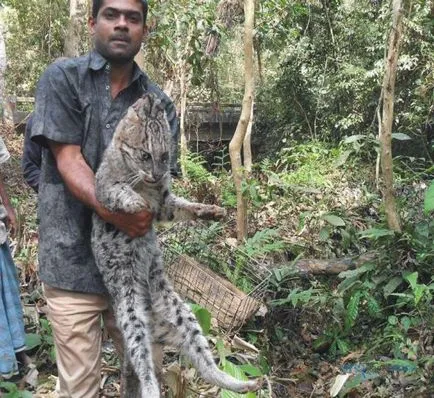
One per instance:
[(207, 270)]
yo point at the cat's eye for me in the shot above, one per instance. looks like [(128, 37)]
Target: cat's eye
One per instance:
[(165, 157), (145, 156)]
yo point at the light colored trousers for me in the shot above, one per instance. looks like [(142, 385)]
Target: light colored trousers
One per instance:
[(76, 322)]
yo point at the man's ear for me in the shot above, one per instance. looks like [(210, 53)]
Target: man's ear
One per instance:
[(91, 22)]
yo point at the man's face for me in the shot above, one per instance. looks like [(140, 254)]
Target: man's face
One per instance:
[(118, 30)]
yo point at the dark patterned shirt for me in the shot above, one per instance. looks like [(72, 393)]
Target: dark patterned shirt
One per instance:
[(74, 106)]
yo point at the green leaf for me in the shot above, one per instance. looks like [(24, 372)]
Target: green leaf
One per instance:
[(373, 306), (358, 271), (348, 283), (412, 279), (333, 220), (235, 371), (429, 199), (321, 341), (220, 346), (353, 138), (375, 233), (8, 386), (14, 394), (392, 285), (203, 316), (33, 340), (342, 346), (342, 158), (251, 370), (324, 234), (406, 323), (401, 136), (53, 354), (353, 309)]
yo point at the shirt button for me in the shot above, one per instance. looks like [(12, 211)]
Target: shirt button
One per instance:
[(107, 125), (107, 67), (107, 87)]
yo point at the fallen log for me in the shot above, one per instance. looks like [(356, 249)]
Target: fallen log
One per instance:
[(332, 266)]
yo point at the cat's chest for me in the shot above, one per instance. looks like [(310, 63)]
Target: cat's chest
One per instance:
[(153, 195)]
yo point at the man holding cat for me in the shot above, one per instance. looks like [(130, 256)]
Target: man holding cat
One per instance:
[(79, 103)]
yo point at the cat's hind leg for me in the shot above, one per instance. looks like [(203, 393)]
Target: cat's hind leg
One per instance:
[(134, 321)]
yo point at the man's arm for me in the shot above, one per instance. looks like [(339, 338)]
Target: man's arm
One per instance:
[(80, 180)]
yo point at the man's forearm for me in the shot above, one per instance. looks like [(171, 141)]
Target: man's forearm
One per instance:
[(77, 175), (80, 180)]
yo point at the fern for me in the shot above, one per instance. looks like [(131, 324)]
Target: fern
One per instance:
[(374, 308), (352, 309), (195, 167), (263, 242)]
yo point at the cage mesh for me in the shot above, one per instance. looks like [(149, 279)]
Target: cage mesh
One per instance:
[(206, 269)]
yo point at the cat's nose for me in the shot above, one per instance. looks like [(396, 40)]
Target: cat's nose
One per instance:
[(157, 176)]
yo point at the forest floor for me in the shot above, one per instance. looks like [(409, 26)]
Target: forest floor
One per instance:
[(282, 339)]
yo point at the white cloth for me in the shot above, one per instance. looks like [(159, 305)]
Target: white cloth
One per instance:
[(4, 157), (4, 153)]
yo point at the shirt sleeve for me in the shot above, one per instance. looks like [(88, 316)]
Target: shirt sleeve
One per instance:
[(4, 153), (58, 114)]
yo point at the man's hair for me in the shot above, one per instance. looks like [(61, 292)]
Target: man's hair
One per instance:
[(97, 4)]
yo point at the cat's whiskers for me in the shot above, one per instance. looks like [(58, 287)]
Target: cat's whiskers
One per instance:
[(134, 179)]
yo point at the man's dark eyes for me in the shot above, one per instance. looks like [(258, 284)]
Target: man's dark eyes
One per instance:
[(109, 14), (132, 17)]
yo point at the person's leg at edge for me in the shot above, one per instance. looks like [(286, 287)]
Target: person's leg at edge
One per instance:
[(76, 323)]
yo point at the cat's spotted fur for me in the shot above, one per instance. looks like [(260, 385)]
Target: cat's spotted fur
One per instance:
[(134, 175)]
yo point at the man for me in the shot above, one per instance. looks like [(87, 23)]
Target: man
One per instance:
[(79, 102)]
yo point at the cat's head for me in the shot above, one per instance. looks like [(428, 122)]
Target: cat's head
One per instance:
[(143, 138)]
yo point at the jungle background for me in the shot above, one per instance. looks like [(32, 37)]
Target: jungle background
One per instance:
[(348, 300)]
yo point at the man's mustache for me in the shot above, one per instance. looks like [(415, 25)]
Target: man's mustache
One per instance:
[(125, 38)]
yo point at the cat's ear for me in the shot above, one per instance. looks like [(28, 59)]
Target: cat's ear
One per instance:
[(132, 114), (144, 106), (123, 129)]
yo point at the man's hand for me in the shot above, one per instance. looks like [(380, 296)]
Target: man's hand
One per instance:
[(134, 225), (11, 220)]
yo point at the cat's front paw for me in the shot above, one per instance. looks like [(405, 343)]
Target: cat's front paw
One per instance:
[(134, 205), (209, 212)]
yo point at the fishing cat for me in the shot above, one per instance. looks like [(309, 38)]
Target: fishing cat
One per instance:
[(134, 175)]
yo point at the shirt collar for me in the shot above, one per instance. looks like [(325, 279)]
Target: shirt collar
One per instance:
[(97, 62)]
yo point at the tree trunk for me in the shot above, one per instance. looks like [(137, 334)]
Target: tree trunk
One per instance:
[(6, 114), (333, 266), (3, 63), (140, 59), (395, 39), (78, 10), (240, 132), (183, 110), (247, 143)]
